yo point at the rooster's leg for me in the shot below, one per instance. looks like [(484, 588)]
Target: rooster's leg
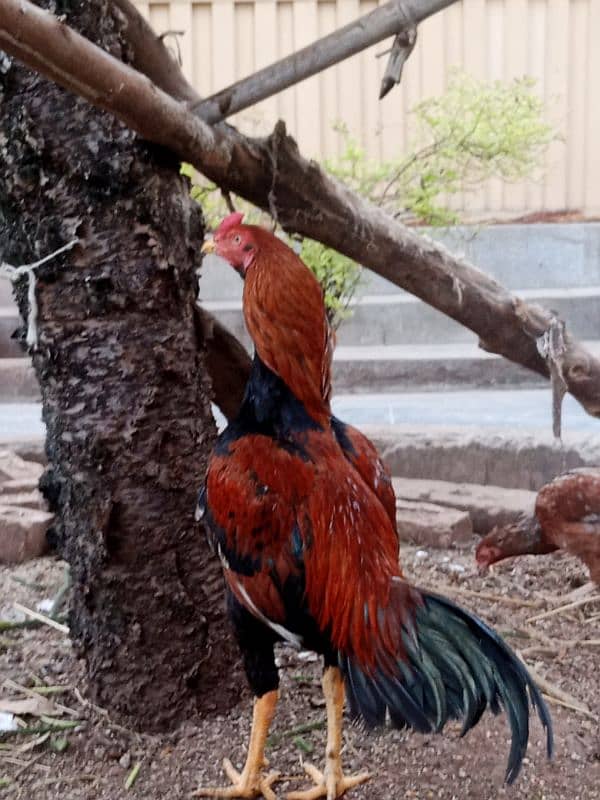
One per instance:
[(251, 782), (332, 783)]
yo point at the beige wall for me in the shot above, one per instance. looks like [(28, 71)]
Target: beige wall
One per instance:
[(555, 41)]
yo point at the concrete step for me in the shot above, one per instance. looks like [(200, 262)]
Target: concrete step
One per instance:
[(18, 381), (506, 411), (6, 294), (514, 459), (391, 319), (9, 322), (493, 438), (356, 370), (517, 256), (402, 368)]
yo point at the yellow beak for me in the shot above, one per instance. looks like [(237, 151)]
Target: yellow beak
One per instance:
[(208, 246)]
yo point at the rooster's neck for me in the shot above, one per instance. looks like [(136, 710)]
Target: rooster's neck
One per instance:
[(269, 408), (285, 316)]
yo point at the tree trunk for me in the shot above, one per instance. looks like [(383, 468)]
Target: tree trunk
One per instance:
[(124, 384)]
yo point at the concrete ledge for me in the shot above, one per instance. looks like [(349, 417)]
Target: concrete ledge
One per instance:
[(519, 256), (400, 318), (18, 381), (520, 460), (398, 368)]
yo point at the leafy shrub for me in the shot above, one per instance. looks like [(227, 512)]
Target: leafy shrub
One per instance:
[(474, 131)]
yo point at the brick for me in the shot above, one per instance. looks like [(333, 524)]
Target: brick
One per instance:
[(25, 485), (32, 499), (13, 467), (487, 506), (22, 533), (431, 525)]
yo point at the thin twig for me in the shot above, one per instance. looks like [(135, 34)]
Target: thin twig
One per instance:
[(573, 707), (568, 607), (496, 598), (555, 692), (41, 618)]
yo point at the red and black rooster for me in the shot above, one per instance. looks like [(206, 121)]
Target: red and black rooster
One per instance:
[(302, 515)]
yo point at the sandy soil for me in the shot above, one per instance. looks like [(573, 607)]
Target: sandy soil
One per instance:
[(100, 754)]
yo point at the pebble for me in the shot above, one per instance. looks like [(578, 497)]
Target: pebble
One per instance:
[(125, 760)]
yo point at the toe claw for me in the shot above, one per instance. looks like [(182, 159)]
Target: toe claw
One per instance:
[(327, 785), (231, 772)]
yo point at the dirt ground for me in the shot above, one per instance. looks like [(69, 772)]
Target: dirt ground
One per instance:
[(97, 759)]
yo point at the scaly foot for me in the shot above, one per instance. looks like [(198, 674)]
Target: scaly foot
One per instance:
[(331, 784), (245, 785)]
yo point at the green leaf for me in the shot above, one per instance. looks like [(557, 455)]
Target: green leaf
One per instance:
[(59, 744)]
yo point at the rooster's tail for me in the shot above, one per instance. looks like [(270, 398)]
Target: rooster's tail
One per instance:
[(453, 666)]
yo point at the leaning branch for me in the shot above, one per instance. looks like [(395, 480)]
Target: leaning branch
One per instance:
[(272, 174), (387, 20)]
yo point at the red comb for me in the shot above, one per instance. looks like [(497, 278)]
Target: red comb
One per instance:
[(230, 222)]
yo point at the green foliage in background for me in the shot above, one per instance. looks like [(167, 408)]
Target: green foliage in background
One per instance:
[(338, 275), (476, 130)]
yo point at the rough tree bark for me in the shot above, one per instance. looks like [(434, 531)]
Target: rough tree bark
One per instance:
[(272, 174), (124, 383)]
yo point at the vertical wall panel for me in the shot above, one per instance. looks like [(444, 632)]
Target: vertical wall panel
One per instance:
[(515, 66), (181, 24), (557, 86), (369, 89), (578, 56), (158, 14), (328, 86), (202, 59), (496, 68), (265, 53), (144, 9), (475, 62), (286, 103), (308, 101), (592, 164), (536, 69), (250, 120), (348, 74), (554, 41), (223, 44)]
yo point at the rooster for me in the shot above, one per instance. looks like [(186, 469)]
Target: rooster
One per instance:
[(567, 517), (301, 513)]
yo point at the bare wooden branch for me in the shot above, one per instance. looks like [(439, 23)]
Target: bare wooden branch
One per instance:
[(403, 46), (151, 57), (384, 21), (227, 362), (273, 175)]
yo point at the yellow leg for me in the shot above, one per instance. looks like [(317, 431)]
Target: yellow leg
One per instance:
[(251, 782), (332, 783)]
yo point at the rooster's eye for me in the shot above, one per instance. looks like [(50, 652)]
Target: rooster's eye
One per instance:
[(237, 239)]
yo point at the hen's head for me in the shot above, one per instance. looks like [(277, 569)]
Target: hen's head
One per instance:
[(491, 549), (235, 242), (520, 538)]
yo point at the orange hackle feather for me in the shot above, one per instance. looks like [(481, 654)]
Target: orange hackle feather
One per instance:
[(284, 314)]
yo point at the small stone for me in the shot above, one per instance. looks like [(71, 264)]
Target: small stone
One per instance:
[(125, 760), (22, 533), (432, 525)]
